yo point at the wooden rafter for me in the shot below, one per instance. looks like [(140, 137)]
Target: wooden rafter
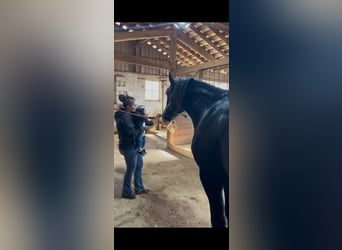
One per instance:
[(194, 46), (168, 51), (217, 63), (219, 26), (152, 62), (166, 47), (190, 47), (193, 28), (140, 35)]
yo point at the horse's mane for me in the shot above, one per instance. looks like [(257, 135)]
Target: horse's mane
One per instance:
[(187, 86), (209, 87)]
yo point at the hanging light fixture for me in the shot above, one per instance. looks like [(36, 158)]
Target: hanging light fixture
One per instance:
[(181, 25)]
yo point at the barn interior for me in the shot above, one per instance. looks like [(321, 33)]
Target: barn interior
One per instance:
[(144, 55)]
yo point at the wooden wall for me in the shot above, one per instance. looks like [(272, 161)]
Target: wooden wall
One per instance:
[(183, 133)]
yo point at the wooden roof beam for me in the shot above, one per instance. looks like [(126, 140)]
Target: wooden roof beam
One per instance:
[(194, 46), (123, 36), (217, 63), (152, 62), (219, 26), (208, 41), (168, 51)]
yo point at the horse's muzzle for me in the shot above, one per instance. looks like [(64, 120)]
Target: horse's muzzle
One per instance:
[(167, 118)]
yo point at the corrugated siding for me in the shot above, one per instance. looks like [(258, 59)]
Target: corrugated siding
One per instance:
[(125, 48), (149, 52), (146, 51), (217, 78)]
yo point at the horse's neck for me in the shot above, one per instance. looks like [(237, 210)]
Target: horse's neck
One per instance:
[(198, 99)]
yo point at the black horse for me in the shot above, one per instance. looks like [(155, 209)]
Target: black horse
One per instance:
[(208, 107)]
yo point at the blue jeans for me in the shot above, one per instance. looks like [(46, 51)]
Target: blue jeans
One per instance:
[(134, 165), (142, 141)]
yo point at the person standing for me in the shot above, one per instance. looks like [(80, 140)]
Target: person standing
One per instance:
[(128, 147)]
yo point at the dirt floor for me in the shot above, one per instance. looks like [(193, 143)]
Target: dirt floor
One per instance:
[(176, 199)]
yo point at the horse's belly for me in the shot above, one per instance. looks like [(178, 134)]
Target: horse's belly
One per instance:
[(210, 145)]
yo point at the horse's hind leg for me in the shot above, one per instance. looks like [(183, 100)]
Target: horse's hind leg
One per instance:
[(213, 189), (226, 198)]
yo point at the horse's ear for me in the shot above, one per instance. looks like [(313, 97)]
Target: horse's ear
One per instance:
[(171, 79)]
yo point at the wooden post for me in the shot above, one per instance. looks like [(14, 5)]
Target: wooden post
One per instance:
[(173, 49)]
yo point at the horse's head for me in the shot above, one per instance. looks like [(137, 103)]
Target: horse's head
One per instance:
[(175, 95)]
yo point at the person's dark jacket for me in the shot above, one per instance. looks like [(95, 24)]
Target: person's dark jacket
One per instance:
[(126, 131)]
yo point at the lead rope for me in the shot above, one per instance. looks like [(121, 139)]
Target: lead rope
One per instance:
[(120, 110)]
